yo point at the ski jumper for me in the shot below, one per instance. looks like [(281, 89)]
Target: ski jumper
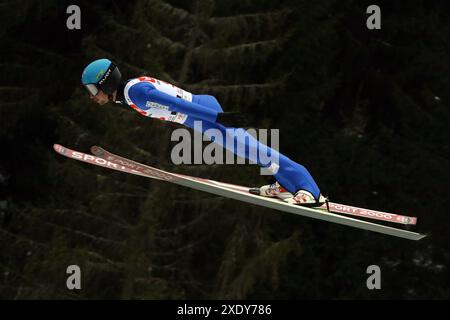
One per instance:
[(158, 99)]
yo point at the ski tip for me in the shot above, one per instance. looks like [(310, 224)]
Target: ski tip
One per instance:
[(59, 148), (97, 150)]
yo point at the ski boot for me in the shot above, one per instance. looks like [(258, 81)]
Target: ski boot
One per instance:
[(306, 199), (274, 190), (301, 197)]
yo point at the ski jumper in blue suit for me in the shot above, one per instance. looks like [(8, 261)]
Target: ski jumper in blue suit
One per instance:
[(157, 99)]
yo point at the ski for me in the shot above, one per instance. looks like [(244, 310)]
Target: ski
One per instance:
[(333, 207), (109, 160)]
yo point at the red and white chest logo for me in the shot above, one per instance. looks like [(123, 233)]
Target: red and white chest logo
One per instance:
[(157, 110)]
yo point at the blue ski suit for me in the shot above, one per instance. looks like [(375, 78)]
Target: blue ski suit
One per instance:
[(157, 99)]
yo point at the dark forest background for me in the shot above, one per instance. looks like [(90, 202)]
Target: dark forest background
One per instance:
[(367, 112)]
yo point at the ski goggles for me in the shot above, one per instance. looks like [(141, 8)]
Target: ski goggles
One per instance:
[(92, 89)]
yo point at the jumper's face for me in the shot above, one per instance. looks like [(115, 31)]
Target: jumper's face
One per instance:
[(100, 98)]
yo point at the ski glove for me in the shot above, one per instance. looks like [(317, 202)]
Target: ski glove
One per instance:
[(232, 119)]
